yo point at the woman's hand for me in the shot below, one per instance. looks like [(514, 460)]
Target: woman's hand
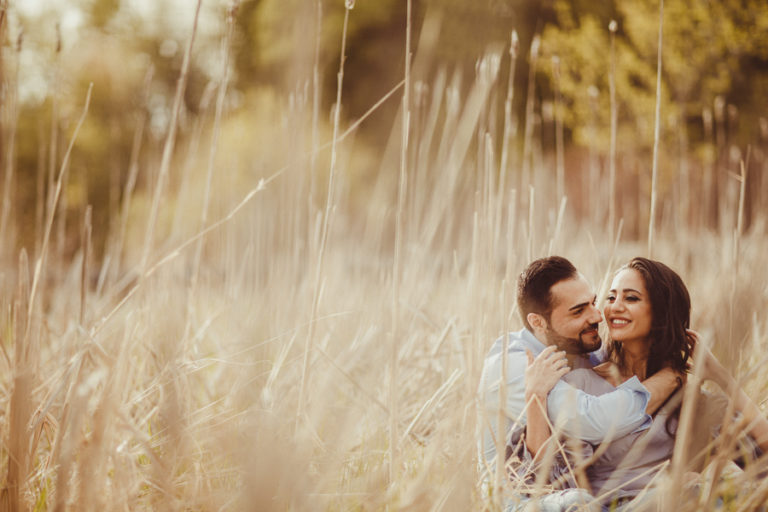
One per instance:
[(706, 364), (712, 369), (543, 372)]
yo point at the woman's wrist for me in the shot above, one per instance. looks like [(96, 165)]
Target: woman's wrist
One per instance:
[(541, 396)]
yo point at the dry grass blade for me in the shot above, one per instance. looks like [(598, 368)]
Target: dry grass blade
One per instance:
[(326, 220), (656, 136), (612, 27), (41, 260), (394, 445), (20, 403), (170, 142)]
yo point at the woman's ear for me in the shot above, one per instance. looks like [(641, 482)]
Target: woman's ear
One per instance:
[(537, 321)]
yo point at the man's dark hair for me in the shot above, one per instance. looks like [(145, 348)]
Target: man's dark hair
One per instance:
[(535, 284)]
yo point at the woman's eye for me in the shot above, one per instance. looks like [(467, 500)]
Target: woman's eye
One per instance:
[(632, 299), (611, 299)]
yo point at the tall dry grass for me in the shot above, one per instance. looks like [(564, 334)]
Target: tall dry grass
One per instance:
[(296, 354)]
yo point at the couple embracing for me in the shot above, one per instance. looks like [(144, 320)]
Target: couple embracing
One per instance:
[(616, 407)]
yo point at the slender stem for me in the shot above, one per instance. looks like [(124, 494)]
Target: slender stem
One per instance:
[(170, 142), (508, 131), (12, 108), (401, 191), (559, 150), (86, 248), (740, 219), (656, 130), (40, 264), (531, 210), (326, 218), (528, 137), (614, 127), (315, 108), (133, 172), (222, 93)]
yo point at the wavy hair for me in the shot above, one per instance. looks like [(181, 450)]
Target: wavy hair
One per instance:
[(670, 318)]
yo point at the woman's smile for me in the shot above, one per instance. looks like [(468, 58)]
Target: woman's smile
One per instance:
[(628, 309)]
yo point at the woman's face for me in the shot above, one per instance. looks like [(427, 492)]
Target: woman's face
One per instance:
[(628, 307)]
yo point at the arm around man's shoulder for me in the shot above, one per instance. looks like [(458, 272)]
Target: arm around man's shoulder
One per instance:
[(596, 418)]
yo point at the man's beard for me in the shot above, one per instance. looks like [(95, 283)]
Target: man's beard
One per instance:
[(575, 345)]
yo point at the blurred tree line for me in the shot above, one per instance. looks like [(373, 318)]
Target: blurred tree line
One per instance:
[(715, 72)]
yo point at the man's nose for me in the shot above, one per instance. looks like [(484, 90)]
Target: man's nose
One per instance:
[(595, 317)]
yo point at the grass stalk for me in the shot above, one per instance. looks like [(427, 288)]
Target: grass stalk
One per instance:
[(133, 173), (315, 108), (20, 403), (323, 239), (221, 96), (531, 222), (553, 246), (193, 150), (41, 259), (40, 197), (53, 152), (529, 124), (170, 142), (86, 250), (396, 271), (656, 136), (612, 27), (559, 144), (740, 214), (500, 474), (12, 111), (509, 129)]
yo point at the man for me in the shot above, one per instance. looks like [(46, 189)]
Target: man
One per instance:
[(558, 308)]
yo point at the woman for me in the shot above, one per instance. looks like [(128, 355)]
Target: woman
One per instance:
[(648, 316)]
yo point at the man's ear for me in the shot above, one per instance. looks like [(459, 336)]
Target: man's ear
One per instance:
[(537, 321)]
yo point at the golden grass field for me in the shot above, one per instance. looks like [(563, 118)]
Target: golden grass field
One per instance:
[(287, 333)]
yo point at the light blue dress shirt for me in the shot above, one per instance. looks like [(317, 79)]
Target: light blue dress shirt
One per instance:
[(574, 413)]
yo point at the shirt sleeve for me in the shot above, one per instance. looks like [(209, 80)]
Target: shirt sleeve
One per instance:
[(519, 462), (512, 413), (595, 419), (524, 470)]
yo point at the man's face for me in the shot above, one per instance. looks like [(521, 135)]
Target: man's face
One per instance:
[(572, 325)]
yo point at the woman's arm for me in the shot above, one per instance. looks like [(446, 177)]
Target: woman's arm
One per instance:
[(713, 370), (541, 374)]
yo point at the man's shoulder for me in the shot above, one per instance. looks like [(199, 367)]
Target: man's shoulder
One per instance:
[(516, 341)]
